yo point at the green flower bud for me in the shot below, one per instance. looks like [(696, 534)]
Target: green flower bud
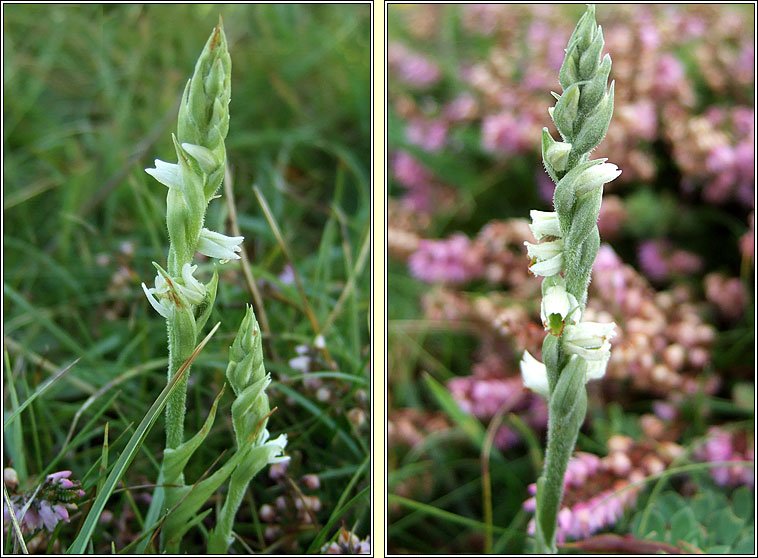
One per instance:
[(569, 72), (595, 126), (557, 155), (593, 92), (590, 58), (565, 112)]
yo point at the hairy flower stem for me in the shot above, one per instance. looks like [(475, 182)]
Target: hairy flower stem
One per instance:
[(179, 351)]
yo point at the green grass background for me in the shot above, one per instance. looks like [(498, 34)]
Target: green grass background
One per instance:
[(90, 99)]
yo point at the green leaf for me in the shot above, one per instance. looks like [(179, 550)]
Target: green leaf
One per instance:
[(746, 545), (702, 507), (470, 425), (670, 503), (725, 527), (82, 540), (656, 526), (174, 460), (742, 503), (683, 525), (39, 391)]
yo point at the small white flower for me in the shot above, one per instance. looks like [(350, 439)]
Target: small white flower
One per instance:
[(202, 155), (167, 174), (548, 256), (217, 245), (544, 223), (275, 446), (596, 368), (557, 155), (546, 268), (544, 250), (192, 290), (163, 307), (589, 340), (595, 176), (534, 374), (558, 302)]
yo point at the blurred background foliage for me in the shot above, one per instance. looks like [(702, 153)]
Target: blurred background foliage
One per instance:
[(90, 97), (469, 87)]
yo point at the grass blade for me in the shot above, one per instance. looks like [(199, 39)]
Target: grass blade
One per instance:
[(39, 391), (83, 538)]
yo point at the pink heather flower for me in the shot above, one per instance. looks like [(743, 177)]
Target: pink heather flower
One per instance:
[(745, 65), (584, 518), (721, 445), (683, 262), (545, 186), (651, 259), (669, 74), (727, 294), (446, 261), (743, 119), (412, 68), (462, 108), (483, 397), (507, 133), (721, 158), (58, 477), (644, 121), (416, 179), (429, 135)]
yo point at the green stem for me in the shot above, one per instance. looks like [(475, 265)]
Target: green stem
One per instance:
[(179, 351), (221, 536), (563, 429)]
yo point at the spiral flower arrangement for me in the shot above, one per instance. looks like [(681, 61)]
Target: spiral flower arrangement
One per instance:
[(574, 351)]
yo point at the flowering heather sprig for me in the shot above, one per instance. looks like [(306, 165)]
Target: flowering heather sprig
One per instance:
[(50, 505), (445, 261), (348, 543), (414, 69), (597, 491), (723, 445)]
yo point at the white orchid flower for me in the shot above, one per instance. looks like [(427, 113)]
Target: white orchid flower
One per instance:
[(558, 305), (167, 174), (589, 340), (595, 176), (548, 256), (534, 374), (217, 245), (544, 223)]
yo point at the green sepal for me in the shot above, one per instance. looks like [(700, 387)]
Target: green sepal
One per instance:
[(590, 58), (250, 410), (585, 28), (569, 72), (246, 354), (595, 126), (564, 197), (566, 109), (578, 275), (551, 354), (593, 92), (204, 309), (547, 141)]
